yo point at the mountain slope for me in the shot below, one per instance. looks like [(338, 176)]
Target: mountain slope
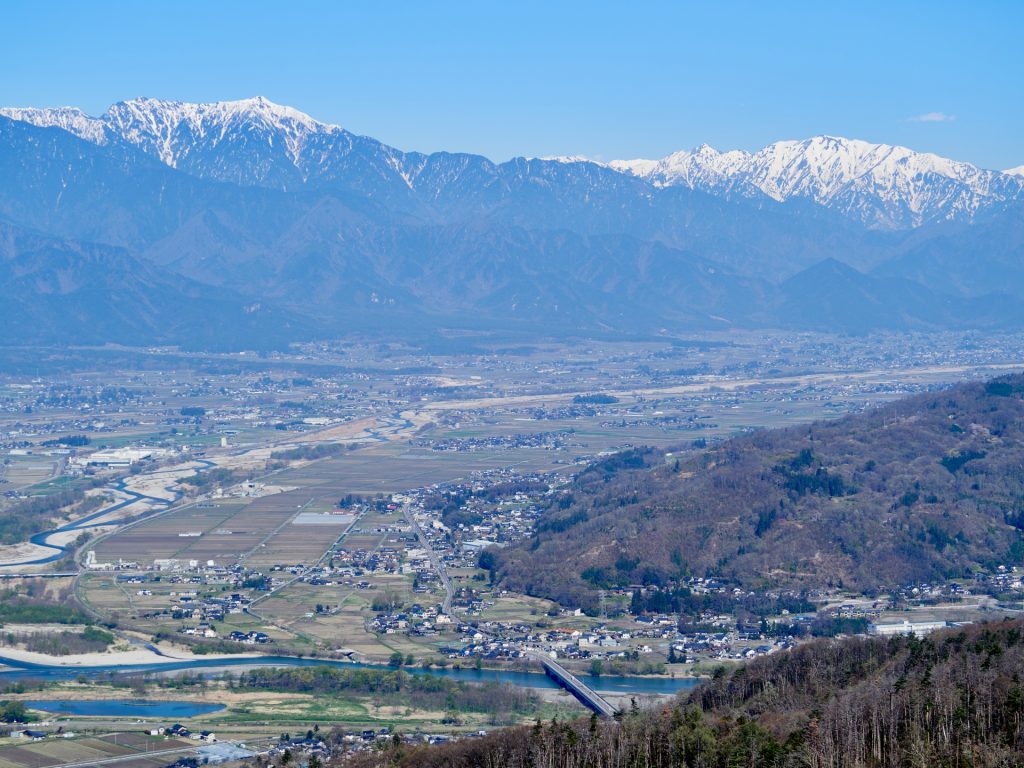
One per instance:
[(55, 182), (256, 142), (831, 296), (921, 489), (80, 293), (973, 261)]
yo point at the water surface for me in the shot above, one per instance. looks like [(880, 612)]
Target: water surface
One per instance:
[(169, 710)]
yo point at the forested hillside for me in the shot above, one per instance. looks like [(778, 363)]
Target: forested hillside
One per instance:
[(922, 489), (952, 699)]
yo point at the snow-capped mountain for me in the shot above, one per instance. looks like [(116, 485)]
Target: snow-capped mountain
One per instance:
[(254, 142), (341, 232), (880, 185), (251, 142)]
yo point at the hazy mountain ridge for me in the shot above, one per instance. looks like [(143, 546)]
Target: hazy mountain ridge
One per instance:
[(277, 207), (95, 294)]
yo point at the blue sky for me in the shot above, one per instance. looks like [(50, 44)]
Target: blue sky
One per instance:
[(602, 79)]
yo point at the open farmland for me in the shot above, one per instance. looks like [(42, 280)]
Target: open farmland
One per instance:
[(303, 539), (174, 535), (346, 602), (276, 529), (132, 746), (25, 471), (396, 467)]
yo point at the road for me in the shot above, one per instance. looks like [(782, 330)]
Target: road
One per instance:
[(435, 560)]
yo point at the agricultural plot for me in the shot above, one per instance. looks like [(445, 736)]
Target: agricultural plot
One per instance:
[(27, 471), (223, 531), (304, 538), (395, 467), (56, 751), (346, 603), (167, 536)]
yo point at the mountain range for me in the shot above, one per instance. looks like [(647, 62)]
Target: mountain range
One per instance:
[(254, 208)]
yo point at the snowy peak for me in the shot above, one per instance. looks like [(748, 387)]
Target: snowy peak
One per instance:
[(566, 159), (704, 167), (71, 119), (249, 141), (172, 130), (213, 116), (882, 185), (1018, 171)]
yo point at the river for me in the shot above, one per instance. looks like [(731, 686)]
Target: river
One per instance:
[(603, 683), (87, 522)]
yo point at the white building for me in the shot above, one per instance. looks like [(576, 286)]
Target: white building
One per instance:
[(919, 628), (119, 457)]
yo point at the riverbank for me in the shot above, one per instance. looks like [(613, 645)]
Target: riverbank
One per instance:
[(134, 657)]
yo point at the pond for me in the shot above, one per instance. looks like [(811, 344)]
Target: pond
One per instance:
[(164, 710)]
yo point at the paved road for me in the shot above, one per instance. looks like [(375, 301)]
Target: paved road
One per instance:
[(435, 560)]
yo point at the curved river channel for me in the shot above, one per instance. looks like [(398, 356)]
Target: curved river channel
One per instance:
[(604, 683), (90, 521)]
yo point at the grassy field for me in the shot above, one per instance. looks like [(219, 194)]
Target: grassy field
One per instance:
[(248, 715)]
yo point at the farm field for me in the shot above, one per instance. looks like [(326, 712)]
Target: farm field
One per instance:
[(346, 605), (55, 751), (27, 471)]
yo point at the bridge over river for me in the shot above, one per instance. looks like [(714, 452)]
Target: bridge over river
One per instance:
[(590, 698)]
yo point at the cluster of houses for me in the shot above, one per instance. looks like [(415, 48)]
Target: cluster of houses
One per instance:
[(182, 732), (359, 562), (1005, 578), (415, 620), (555, 441), (484, 519)]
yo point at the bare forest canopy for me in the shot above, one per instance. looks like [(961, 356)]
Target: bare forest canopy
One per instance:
[(952, 699), (927, 488)]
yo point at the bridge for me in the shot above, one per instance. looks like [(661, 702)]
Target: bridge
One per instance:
[(586, 695)]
